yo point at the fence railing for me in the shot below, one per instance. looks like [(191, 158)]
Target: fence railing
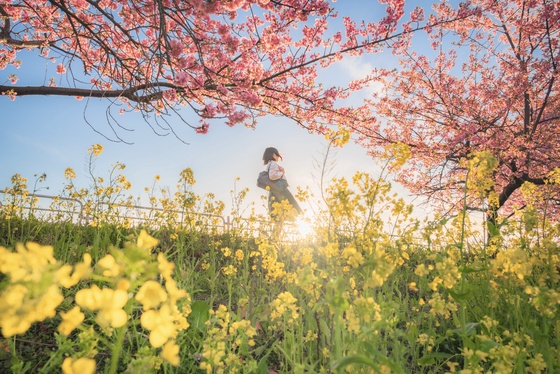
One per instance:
[(41, 206), (34, 207), (136, 215)]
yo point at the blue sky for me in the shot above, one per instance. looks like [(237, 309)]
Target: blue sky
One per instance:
[(45, 134), (48, 134)]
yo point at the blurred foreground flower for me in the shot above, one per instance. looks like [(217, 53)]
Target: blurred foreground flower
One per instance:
[(108, 302), (80, 366)]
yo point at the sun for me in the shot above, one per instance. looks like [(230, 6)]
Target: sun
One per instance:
[(303, 226)]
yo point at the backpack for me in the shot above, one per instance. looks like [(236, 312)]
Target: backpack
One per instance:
[(264, 181)]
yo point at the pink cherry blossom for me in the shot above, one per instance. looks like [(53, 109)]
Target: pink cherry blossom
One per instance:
[(60, 69)]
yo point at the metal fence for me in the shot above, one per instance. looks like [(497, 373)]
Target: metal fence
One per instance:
[(56, 208), (64, 209)]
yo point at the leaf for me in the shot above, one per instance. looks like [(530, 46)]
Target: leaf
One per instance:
[(460, 296), (352, 360), (200, 313), (443, 221), (364, 360), (486, 345), (469, 270), (434, 357), (324, 327), (492, 229), (470, 329), (263, 366)]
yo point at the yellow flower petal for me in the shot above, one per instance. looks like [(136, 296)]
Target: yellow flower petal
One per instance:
[(112, 317), (170, 353), (89, 298), (151, 295), (70, 320), (148, 319), (80, 366), (145, 241), (14, 325)]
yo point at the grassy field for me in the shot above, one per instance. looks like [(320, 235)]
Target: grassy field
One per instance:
[(370, 289)]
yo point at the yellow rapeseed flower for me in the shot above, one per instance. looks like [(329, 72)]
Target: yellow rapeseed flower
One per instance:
[(161, 325), (375, 279), (512, 262), (82, 365), (69, 173), (146, 242), (421, 270), (28, 263), (352, 256), (13, 297), (109, 266), (449, 272), (70, 320), (68, 276), (226, 251), (151, 295), (165, 267), (367, 309), (96, 149), (32, 294), (331, 250), (284, 304), (481, 167), (123, 284), (170, 353), (441, 307), (47, 304), (11, 302), (175, 293), (352, 320), (536, 364), (452, 366), (239, 255), (229, 270), (435, 283), (398, 153), (107, 302)]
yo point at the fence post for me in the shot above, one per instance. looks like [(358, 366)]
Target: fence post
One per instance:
[(228, 224)]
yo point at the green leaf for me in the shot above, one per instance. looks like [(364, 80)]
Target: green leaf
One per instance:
[(263, 366), (486, 345), (434, 357), (470, 329), (427, 360), (469, 270), (200, 313), (354, 360), (364, 360), (460, 296), (443, 221), (492, 229), (325, 330)]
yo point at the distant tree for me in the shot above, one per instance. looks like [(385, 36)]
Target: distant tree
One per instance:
[(231, 59), (490, 84)]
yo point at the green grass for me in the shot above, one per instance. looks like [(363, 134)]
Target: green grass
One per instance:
[(371, 290), (345, 318)]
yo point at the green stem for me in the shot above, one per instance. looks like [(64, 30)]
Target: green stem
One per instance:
[(116, 351), (462, 304), (337, 337), (229, 286)]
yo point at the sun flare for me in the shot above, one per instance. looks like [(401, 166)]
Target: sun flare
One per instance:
[(303, 226)]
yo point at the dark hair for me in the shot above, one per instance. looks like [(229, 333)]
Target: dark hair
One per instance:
[(268, 153)]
